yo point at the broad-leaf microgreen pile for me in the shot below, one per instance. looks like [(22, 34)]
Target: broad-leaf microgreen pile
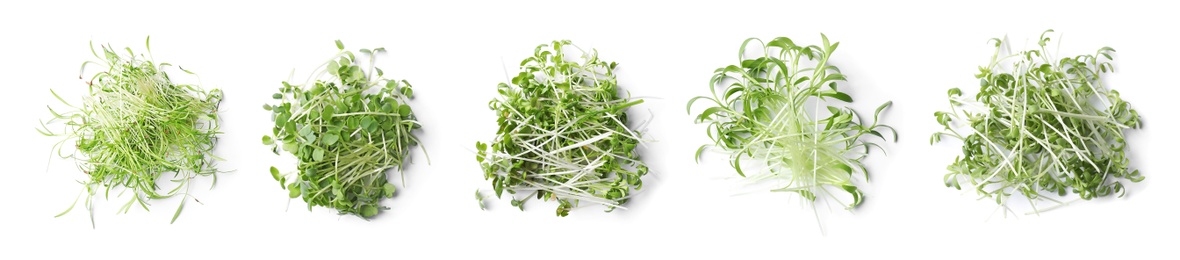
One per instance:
[(1040, 127), (759, 111), (347, 128), (134, 127), (563, 133)]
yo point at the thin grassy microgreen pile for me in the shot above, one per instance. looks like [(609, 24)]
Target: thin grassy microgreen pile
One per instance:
[(1040, 127), (563, 133), (347, 128), (134, 127), (759, 112)]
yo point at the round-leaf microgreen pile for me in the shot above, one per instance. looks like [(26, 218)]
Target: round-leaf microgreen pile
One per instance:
[(346, 128), (563, 133), (135, 126), (760, 111), (1040, 126)]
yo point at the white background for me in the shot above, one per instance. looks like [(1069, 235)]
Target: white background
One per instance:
[(455, 53)]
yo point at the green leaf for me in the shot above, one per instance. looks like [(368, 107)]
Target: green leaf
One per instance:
[(496, 185), (310, 138), (408, 92), (281, 119), (339, 45), (293, 190), (274, 172), (327, 113), (305, 130), (391, 85), (368, 211), (71, 207), (731, 91), (697, 155), (708, 112), (781, 42), (691, 101), (844, 168), (366, 122), (943, 118), (333, 68), (357, 73), (291, 147), (877, 113), (479, 198), (403, 110), (178, 209), (317, 155), (807, 195), (329, 139), (838, 95), (388, 190), (737, 165), (857, 196), (835, 77), (954, 92)]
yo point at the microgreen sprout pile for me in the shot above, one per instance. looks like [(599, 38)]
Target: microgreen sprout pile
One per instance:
[(136, 132), (769, 109), (346, 127), (1040, 127), (563, 133)]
